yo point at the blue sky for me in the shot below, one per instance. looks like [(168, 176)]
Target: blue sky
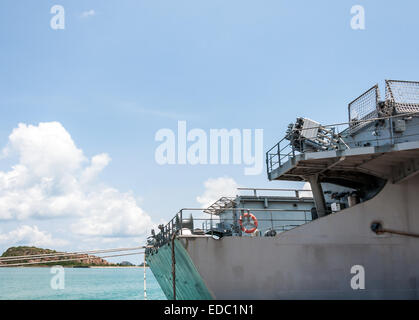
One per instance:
[(114, 78)]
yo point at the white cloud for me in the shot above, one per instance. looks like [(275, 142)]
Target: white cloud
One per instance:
[(53, 178), (217, 188), (112, 214), (48, 149), (30, 236), (98, 163), (88, 13)]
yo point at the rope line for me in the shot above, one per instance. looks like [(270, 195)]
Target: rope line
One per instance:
[(58, 254), (145, 283), (64, 260), (407, 114)]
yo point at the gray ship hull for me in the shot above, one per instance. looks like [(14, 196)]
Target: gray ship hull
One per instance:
[(314, 261), (362, 239)]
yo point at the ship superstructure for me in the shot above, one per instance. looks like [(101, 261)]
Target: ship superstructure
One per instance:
[(360, 214)]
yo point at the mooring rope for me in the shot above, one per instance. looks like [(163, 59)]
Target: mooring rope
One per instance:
[(59, 254), (65, 260), (145, 284)]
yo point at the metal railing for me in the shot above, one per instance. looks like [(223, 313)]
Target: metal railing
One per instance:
[(285, 150), (363, 108), (401, 99), (277, 155), (212, 225), (254, 191)]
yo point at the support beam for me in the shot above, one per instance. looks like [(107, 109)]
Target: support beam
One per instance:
[(317, 190), (333, 164)]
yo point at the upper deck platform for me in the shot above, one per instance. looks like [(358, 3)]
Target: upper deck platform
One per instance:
[(391, 162), (380, 139)]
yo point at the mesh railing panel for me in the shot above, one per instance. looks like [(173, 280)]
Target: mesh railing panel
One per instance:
[(404, 95), (363, 108)]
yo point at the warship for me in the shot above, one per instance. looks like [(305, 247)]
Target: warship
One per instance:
[(352, 235)]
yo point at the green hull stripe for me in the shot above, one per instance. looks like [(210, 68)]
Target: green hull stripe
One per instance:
[(189, 283)]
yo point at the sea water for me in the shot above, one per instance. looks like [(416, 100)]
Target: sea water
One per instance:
[(78, 284)]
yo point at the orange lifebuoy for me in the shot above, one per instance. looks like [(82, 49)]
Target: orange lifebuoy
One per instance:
[(255, 222)]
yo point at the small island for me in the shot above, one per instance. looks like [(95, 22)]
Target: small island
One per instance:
[(77, 261)]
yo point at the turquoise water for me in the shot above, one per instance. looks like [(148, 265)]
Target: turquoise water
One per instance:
[(79, 284)]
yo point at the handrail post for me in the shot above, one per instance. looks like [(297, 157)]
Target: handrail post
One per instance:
[(272, 222), (235, 220), (391, 130), (173, 227), (173, 267), (212, 231), (181, 222)]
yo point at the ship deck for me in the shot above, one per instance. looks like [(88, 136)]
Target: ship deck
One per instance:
[(391, 162)]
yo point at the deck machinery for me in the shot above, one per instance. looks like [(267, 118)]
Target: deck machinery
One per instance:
[(360, 215)]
